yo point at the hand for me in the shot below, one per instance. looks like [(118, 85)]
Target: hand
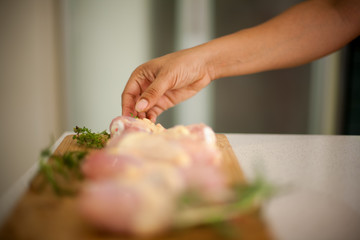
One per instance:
[(164, 82)]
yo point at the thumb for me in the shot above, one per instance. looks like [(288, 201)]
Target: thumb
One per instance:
[(152, 94)]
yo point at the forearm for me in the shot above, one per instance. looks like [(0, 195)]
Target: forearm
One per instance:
[(307, 31)]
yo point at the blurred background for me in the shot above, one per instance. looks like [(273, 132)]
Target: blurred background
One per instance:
[(65, 63)]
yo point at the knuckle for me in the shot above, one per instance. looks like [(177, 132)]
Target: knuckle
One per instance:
[(151, 92), (136, 72)]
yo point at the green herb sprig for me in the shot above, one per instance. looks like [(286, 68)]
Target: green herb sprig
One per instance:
[(132, 115), (246, 198), (59, 171), (85, 137)]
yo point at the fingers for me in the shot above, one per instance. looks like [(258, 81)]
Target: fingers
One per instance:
[(128, 104), (154, 112), (141, 115), (152, 94), (131, 93), (158, 85)]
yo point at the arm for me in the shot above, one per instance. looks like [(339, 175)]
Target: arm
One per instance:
[(307, 31)]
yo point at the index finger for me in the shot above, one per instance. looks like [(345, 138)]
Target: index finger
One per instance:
[(135, 86), (128, 104), (129, 97)]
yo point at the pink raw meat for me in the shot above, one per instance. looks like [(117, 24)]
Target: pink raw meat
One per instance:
[(134, 183), (135, 207), (102, 163), (123, 123)]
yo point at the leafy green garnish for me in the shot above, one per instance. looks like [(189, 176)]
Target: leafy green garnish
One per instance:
[(249, 195), (59, 171), (246, 198), (132, 115), (85, 137)]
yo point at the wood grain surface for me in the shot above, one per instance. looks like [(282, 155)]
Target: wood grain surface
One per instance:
[(46, 216)]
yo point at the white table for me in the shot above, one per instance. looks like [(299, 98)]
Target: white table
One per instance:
[(322, 174)]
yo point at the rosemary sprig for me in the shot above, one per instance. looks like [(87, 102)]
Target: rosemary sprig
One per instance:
[(59, 171), (85, 137), (246, 198)]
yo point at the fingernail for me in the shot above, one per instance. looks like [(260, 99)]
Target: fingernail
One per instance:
[(141, 105)]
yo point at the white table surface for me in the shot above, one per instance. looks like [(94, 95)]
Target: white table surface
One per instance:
[(321, 175)]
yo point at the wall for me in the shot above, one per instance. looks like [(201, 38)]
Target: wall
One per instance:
[(29, 85), (104, 42)]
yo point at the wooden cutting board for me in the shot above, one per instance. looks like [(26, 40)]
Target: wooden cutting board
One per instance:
[(46, 216)]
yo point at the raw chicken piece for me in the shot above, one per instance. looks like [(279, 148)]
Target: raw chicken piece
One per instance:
[(208, 182), (152, 147), (200, 152), (135, 207), (183, 145), (108, 205), (104, 163), (123, 123), (144, 169), (165, 176), (139, 203), (128, 124), (203, 132), (176, 145), (198, 132)]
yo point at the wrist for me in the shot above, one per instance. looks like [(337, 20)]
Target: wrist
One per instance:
[(221, 58), (208, 54)]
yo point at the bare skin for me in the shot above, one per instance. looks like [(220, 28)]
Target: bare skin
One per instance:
[(305, 32)]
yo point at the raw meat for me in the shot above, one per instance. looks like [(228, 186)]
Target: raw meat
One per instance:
[(135, 182), (122, 123)]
